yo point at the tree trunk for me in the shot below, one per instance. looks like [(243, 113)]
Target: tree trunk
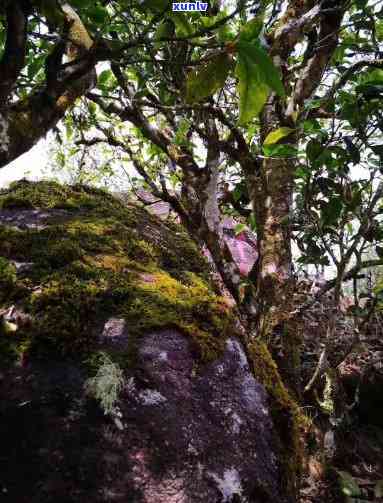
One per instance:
[(271, 192), (272, 205)]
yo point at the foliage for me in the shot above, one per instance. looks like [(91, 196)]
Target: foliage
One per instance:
[(348, 485), (207, 80), (257, 75), (277, 135)]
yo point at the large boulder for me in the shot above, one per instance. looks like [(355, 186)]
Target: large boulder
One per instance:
[(123, 376)]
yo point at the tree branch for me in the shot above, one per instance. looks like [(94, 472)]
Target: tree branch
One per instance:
[(292, 29), (352, 70), (329, 285), (31, 118), (312, 74), (179, 155), (13, 59)]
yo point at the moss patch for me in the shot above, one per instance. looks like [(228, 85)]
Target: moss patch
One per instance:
[(103, 259), (289, 421)]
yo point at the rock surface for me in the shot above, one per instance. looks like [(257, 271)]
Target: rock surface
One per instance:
[(189, 434), (190, 422), (242, 245)]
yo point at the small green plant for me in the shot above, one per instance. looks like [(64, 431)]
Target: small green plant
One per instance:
[(7, 271), (7, 278), (106, 384)]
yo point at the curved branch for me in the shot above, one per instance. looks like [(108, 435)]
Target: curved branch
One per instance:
[(179, 155), (29, 119), (329, 285), (293, 27), (312, 74), (352, 70)]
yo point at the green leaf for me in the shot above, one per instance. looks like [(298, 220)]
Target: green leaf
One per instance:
[(35, 66), (165, 30), (2, 37), (226, 33), (238, 192), (251, 30), (208, 79), (69, 131), (331, 211), (379, 30), (313, 149), (183, 26), (372, 90), (252, 222), (279, 150), (252, 90), (239, 228), (104, 77), (277, 135), (256, 75), (98, 14), (270, 74), (92, 107), (182, 131), (348, 485)]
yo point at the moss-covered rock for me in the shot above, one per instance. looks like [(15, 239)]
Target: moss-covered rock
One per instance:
[(92, 258), (76, 264)]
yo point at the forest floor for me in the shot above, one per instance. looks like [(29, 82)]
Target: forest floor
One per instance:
[(344, 453)]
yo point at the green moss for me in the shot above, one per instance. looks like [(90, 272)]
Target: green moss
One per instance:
[(103, 259), (12, 202), (288, 419), (25, 194)]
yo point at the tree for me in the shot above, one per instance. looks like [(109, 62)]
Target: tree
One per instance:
[(274, 102)]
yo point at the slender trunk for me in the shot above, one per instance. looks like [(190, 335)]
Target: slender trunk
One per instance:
[(275, 283), (272, 205)]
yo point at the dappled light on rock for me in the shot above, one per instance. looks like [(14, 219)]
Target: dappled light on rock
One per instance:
[(124, 377)]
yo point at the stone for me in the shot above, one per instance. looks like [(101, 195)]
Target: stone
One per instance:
[(183, 435), (126, 379)]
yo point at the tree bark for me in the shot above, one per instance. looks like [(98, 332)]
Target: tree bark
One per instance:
[(25, 122), (274, 269)]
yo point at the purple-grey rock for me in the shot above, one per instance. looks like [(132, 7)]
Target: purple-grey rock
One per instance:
[(29, 219), (190, 433)]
